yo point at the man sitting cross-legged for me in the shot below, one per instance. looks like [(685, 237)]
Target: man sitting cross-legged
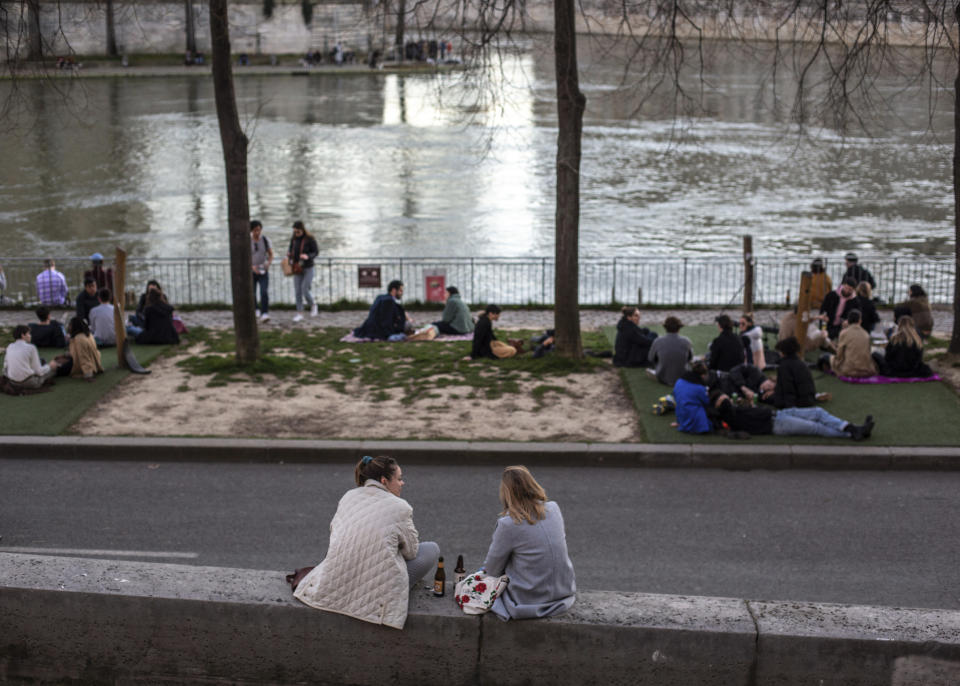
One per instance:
[(21, 363)]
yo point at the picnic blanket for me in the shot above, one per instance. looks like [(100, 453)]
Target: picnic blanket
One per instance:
[(350, 338), (878, 379)]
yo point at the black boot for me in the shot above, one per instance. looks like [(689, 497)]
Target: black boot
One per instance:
[(868, 425), (856, 432)]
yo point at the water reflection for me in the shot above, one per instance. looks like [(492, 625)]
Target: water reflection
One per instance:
[(405, 166)]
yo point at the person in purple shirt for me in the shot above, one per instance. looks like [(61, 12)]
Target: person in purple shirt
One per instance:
[(51, 285)]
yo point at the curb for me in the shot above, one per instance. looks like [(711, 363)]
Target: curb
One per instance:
[(666, 456)]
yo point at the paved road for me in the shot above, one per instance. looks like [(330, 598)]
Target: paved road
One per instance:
[(854, 537)]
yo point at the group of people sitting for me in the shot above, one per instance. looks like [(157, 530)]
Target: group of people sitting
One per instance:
[(722, 390), (91, 327), (388, 321)]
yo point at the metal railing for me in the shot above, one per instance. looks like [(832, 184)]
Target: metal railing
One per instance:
[(654, 280)]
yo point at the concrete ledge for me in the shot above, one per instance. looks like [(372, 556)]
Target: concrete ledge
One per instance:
[(98, 621), (735, 455)]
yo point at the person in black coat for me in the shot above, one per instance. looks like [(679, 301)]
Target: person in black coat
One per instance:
[(747, 380), (87, 299), (830, 309), (904, 353), (868, 311), (158, 316), (633, 341), (483, 335), (386, 317), (47, 334), (726, 350), (857, 272), (794, 387)]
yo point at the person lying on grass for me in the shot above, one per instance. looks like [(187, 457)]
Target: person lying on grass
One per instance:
[(743, 421)]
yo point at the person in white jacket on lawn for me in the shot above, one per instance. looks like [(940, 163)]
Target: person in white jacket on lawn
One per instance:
[(375, 556)]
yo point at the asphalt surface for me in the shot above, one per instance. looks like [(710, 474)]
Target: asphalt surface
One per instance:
[(876, 538)]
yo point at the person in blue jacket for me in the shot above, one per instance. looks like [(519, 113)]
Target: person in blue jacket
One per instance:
[(690, 394), (387, 319)]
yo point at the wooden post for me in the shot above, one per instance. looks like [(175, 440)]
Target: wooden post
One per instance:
[(119, 320), (748, 273), (803, 311)]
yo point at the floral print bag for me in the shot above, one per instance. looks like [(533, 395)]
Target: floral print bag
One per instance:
[(476, 592)]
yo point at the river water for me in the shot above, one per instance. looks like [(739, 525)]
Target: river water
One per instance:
[(403, 166)]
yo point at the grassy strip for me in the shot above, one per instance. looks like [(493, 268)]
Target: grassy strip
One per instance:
[(51, 413), (921, 414), (411, 370)]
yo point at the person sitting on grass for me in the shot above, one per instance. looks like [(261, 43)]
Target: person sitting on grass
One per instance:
[(45, 333), (632, 347), (137, 319), (670, 353), (22, 366), (817, 338), (917, 306), (794, 386), (853, 357), (386, 320), (87, 299), (83, 350), (158, 317), (726, 350), (836, 304), (751, 335), (864, 303), (904, 353), (692, 400), (485, 343), (743, 422), (456, 319), (748, 381), (102, 325)]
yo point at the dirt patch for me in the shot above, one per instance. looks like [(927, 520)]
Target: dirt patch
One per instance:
[(172, 402)]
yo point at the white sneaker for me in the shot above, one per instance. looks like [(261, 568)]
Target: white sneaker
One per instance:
[(313, 310), (265, 317), (297, 318)]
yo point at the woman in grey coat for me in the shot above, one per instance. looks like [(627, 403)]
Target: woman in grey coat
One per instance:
[(530, 546)]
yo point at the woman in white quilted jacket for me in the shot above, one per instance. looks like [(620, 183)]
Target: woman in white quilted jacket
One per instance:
[(530, 546), (375, 556)]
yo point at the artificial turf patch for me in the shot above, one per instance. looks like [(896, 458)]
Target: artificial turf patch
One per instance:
[(50, 413), (920, 414)]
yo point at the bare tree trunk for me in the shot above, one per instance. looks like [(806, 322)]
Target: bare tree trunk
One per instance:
[(111, 32), (34, 42), (955, 337), (192, 32), (570, 105), (401, 19), (238, 208)]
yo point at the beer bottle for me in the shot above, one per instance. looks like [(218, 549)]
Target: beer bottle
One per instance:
[(439, 579), (458, 571)]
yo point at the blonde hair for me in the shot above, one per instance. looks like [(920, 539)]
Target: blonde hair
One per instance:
[(521, 496), (906, 333), (864, 290)]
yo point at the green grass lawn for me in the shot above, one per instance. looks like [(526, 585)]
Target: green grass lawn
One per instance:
[(51, 413), (415, 370), (922, 414)]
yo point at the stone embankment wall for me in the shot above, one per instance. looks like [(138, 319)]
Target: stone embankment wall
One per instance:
[(70, 620), (79, 26)]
